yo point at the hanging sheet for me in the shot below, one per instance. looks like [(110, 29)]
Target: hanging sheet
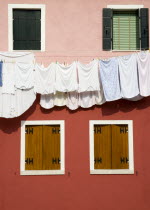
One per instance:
[(1, 68), (128, 76), (88, 76), (45, 79), (24, 75), (66, 78), (109, 74), (143, 59)]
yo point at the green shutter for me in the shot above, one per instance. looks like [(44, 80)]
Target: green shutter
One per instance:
[(144, 16), (126, 30), (26, 29), (107, 28)]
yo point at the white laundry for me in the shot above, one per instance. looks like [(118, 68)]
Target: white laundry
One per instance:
[(47, 101), (60, 99), (45, 79), (8, 78), (14, 105), (99, 97), (72, 100), (66, 78), (143, 59), (128, 76), (87, 99), (24, 75), (88, 76), (109, 74)]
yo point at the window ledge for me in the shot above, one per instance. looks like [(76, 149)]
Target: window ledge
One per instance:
[(42, 172), (112, 171)]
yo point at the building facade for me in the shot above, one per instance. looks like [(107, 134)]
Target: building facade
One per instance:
[(76, 30)]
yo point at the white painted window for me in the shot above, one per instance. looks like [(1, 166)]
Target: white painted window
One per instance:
[(22, 33), (111, 147), (42, 148)]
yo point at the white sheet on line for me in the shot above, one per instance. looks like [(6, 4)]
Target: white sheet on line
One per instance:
[(128, 76), (109, 74), (143, 59), (45, 79), (24, 75), (66, 78), (14, 105), (88, 76)]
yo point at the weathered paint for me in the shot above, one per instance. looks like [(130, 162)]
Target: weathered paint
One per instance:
[(74, 30)]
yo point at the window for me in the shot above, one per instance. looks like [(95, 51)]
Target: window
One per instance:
[(111, 147), (42, 147), (26, 27), (125, 28)]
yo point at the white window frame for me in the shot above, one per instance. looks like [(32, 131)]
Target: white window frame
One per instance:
[(125, 7), (62, 148), (130, 145), (10, 23)]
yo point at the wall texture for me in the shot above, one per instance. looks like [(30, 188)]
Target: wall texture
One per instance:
[(74, 31)]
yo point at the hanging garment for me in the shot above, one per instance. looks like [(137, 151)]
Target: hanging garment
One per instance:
[(88, 76), (143, 59), (109, 74), (8, 78), (128, 76), (72, 100), (14, 105), (45, 79), (24, 75), (1, 67), (99, 97), (87, 99), (66, 78), (47, 101)]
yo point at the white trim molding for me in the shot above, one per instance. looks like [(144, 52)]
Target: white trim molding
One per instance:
[(62, 148), (10, 22), (125, 6), (130, 146)]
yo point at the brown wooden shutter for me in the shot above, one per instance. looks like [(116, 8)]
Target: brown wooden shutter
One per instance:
[(51, 147), (120, 157), (33, 147), (102, 147)]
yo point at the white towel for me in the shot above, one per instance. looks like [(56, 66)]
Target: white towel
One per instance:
[(44, 79), (128, 76), (66, 78), (143, 60), (24, 75), (88, 76)]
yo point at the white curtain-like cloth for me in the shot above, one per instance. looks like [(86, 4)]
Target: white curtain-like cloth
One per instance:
[(8, 76), (72, 100), (143, 59), (14, 105), (88, 76), (45, 79), (24, 75), (66, 78), (109, 74), (128, 76)]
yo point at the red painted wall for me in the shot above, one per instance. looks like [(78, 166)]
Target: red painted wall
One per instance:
[(74, 31), (77, 189)]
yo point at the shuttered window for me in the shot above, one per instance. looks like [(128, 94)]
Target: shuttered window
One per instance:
[(112, 146), (42, 149), (126, 30), (26, 29)]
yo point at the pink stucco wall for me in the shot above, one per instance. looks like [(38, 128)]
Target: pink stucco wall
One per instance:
[(74, 31)]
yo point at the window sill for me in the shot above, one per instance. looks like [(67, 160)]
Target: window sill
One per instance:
[(112, 171), (42, 172)]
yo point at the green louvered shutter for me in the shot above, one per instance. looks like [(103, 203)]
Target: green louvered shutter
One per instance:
[(126, 30), (107, 29), (26, 29), (144, 16)]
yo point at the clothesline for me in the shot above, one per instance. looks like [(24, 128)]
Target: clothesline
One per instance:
[(74, 85)]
